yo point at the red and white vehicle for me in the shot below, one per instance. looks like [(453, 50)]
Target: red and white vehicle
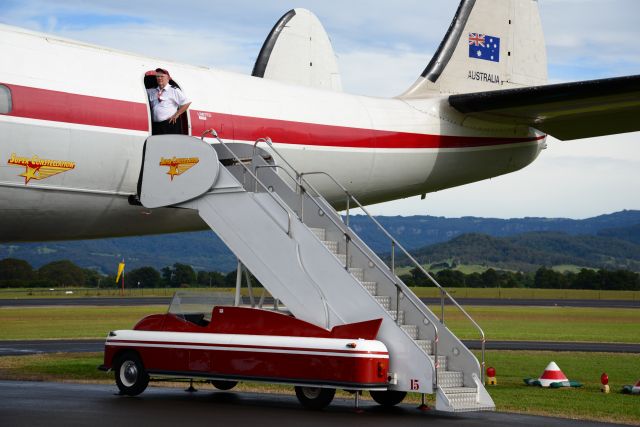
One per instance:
[(196, 339)]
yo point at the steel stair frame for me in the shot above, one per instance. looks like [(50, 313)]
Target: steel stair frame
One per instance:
[(350, 311), (458, 357), (260, 221)]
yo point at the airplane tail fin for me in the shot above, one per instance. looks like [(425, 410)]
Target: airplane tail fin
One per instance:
[(490, 45), (299, 51)]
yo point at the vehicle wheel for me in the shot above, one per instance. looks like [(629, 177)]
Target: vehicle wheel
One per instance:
[(388, 398), (224, 385), (131, 377), (315, 397)]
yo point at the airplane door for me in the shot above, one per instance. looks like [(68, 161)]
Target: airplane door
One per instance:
[(150, 83)]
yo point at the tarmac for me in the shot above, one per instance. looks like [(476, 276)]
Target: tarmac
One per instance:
[(55, 404)]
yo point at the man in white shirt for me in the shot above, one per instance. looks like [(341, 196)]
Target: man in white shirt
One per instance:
[(167, 104)]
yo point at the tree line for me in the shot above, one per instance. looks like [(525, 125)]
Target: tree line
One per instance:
[(17, 273), (543, 278)]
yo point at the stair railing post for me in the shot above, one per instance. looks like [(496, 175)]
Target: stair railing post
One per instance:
[(346, 250), (393, 274), (238, 283), (398, 305), (393, 257), (437, 363), (250, 287), (302, 191), (442, 306), (348, 198), (483, 365)]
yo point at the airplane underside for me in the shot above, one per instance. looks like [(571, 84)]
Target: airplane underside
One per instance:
[(33, 210)]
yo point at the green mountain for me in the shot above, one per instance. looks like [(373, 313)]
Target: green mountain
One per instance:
[(204, 251), (630, 234), (529, 251)]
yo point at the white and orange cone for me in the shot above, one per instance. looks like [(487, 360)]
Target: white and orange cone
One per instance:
[(552, 374)]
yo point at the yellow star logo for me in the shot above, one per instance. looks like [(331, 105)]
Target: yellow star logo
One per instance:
[(37, 168), (173, 170), (30, 173), (178, 166)]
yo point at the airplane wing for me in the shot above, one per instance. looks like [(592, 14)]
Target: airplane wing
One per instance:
[(565, 111)]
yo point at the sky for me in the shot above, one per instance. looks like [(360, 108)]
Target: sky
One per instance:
[(382, 47)]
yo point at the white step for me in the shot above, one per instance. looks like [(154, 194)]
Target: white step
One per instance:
[(425, 345), (476, 407), (384, 301), (412, 330), (372, 287), (464, 399), (319, 232), (332, 245), (358, 273), (393, 315), (342, 258), (448, 379)]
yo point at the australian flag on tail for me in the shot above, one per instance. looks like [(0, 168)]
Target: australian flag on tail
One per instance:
[(483, 46)]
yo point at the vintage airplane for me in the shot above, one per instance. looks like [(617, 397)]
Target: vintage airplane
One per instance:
[(74, 118)]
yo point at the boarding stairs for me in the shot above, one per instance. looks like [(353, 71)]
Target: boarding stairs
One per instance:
[(306, 255)]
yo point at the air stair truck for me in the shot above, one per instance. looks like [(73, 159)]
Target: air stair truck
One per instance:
[(351, 323)]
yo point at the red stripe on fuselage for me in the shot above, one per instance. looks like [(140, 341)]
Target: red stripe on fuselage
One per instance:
[(244, 128), (43, 104), (66, 107)]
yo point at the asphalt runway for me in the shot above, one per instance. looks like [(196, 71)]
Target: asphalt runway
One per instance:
[(21, 348), (54, 404), (127, 301)]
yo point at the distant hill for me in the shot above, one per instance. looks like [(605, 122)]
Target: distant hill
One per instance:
[(418, 231), (203, 250), (630, 234), (529, 251)]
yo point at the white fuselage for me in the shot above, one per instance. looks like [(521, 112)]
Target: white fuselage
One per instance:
[(71, 146)]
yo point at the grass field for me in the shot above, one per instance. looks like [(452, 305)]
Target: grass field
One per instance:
[(510, 395), (499, 323), (69, 322), (581, 324)]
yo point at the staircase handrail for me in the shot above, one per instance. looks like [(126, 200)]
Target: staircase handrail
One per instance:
[(278, 200), (394, 242), (400, 286)]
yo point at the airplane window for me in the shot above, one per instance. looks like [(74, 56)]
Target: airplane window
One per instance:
[(5, 100)]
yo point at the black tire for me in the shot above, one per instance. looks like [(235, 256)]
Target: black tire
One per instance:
[(131, 378), (224, 385), (388, 398), (315, 397)]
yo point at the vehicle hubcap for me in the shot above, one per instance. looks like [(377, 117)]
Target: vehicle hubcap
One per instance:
[(311, 392), (129, 373)]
